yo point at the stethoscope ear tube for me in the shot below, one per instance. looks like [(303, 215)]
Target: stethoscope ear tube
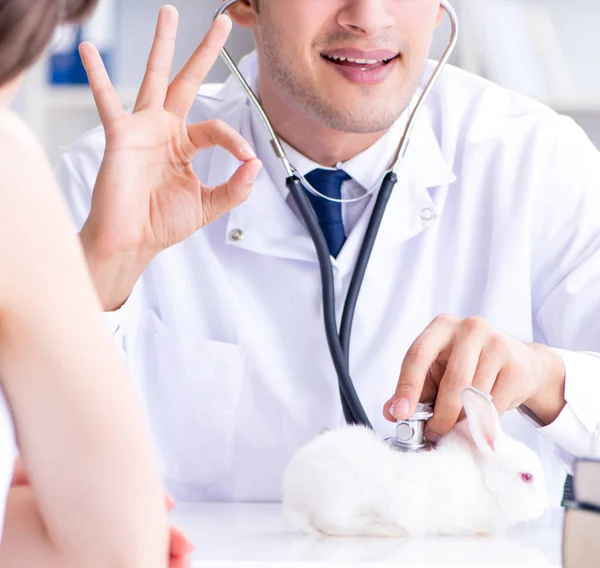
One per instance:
[(353, 410)]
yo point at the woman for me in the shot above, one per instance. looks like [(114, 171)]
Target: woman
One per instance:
[(91, 495)]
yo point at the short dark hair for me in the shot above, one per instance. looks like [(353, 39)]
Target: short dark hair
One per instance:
[(27, 26)]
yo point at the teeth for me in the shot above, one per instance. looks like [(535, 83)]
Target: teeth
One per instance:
[(364, 61), (358, 61)]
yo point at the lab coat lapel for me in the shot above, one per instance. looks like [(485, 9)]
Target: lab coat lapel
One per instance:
[(267, 223), (416, 201)]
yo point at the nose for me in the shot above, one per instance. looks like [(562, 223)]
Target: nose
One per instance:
[(366, 17)]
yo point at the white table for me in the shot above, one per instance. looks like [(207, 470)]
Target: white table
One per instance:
[(234, 535)]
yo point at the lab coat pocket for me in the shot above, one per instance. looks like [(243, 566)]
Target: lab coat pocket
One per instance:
[(192, 388)]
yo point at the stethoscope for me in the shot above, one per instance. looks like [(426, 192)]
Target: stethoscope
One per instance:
[(409, 433)]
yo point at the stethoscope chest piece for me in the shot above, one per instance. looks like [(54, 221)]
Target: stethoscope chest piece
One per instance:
[(410, 433)]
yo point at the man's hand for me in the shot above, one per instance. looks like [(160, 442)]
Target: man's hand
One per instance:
[(147, 195), (453, 353)]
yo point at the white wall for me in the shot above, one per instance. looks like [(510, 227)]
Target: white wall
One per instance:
[(136, 29)]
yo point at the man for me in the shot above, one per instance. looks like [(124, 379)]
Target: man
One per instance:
[(488, 252)]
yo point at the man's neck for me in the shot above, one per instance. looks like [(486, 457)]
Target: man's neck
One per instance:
[(319, 143)]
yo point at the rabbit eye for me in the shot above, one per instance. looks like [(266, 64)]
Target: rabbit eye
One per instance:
[(527, 477)]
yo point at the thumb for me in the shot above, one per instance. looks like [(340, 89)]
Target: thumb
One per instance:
[(406, 398), (223, 198)]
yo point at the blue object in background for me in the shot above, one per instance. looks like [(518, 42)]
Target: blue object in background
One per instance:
[(65, 64)]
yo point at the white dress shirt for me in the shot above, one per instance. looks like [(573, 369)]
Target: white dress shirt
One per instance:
[(496, 213)]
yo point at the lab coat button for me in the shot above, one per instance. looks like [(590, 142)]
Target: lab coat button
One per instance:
[(236, 235), (427, 214)]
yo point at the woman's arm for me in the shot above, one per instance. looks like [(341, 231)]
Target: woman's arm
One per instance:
[(95, 496)]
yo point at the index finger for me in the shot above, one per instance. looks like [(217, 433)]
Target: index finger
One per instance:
[(418, 360), (107, 101), (185, 86), (459, 373)]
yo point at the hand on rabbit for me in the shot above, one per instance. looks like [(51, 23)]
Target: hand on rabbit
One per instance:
[(348, 482), (454, 353)]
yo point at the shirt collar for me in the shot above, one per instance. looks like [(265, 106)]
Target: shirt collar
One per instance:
[(424, 160), (270, 226), (366, 168)]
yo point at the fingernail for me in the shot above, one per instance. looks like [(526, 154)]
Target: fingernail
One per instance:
[(400, 408), (254, 175), (432, 437), (247, 152)]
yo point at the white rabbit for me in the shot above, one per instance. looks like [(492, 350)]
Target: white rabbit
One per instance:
[(477, 481)]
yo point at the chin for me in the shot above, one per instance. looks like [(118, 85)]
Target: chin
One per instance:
[(363, 110), (369, 121)]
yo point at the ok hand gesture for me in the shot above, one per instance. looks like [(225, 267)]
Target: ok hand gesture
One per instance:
[(147, 195)]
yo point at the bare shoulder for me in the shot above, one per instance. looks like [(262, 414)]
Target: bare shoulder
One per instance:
[(29, 193), (15, 134), (34, 224), (24, 167)]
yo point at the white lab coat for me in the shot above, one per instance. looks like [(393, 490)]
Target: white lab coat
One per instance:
[(496, 214), (8, 453)]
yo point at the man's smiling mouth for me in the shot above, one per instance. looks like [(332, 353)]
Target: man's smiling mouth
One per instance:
[(366, 64)]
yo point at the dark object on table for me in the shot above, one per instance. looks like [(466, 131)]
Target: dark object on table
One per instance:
[(581, 532)]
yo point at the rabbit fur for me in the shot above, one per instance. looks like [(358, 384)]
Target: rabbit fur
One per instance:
[(349, 482)]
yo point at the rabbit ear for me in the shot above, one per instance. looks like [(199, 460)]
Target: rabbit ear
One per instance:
[(482, 417)]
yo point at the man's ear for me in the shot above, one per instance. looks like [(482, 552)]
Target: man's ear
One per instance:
[(244, 13)]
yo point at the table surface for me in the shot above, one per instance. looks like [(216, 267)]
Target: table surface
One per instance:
[(245, 535)]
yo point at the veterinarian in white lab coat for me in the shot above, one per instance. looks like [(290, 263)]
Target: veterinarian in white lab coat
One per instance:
[(216, 299)]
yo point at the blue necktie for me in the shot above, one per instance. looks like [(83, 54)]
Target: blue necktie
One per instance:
[(329, 213)]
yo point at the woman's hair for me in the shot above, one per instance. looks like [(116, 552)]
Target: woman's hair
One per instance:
[(27, 26)]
